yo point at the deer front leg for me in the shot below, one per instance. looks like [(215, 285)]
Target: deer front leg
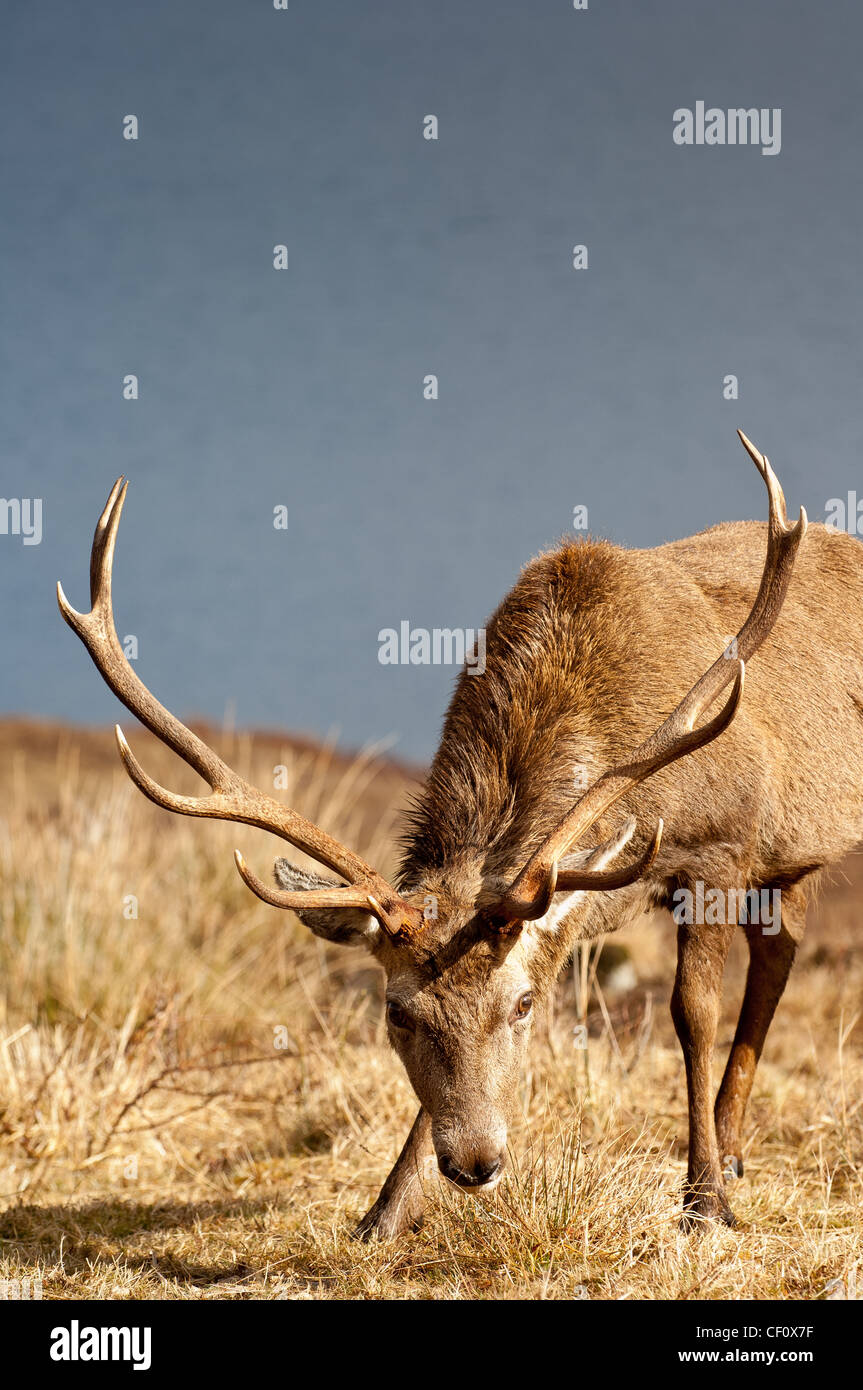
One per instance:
[(401, 1203), (701, 953)]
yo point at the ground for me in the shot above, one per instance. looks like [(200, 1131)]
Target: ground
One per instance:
[(197, 1100)]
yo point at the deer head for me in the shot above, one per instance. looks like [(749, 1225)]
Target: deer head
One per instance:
[(466, 956)]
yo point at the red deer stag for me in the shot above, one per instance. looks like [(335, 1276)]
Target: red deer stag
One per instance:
[(584, 658)]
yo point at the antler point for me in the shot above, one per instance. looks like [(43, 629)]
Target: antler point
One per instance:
[(65, 606)]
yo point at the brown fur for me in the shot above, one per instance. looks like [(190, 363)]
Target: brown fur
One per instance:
[(585, 657)]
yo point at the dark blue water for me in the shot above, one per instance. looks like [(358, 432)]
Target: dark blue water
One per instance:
[(304, 388)]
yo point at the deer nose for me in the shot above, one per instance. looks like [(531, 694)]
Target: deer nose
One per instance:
[(482, 1172)]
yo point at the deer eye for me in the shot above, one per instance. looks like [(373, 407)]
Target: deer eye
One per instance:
[(397, 1016), (524, 1005)]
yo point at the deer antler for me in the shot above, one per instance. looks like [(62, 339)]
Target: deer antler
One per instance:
[(530, 895), (231, 798)]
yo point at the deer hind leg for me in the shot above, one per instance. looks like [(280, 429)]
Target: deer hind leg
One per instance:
[(771, 956), (701, 954), (401, 1203)]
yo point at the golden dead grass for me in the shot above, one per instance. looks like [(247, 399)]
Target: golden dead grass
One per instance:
[(199, 1102)]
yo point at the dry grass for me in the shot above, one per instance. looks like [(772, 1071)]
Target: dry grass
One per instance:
[(155, 1143)]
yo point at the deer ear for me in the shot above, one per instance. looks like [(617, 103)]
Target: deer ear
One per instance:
[(343, 925)]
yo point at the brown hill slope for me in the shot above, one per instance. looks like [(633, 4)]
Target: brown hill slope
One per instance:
[(197, 1098)]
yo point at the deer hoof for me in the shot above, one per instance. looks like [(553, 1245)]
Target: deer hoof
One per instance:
[(708, 1206), (387, 1223)]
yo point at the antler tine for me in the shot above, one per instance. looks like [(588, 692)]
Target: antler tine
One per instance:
[(783, 540), (585, 879), (573, 880), (102, 553), (231, 798), (778, 513), (306, 897), (678, 734), (98, 633)]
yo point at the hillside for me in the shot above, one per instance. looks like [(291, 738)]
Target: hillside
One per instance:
[(197, 1101)]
